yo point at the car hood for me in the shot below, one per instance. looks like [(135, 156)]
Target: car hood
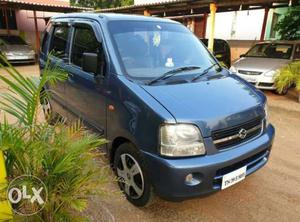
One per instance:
[(16, 48), (260, 64), (213, 104)]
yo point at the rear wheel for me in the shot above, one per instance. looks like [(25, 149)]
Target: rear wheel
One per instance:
[(51, 117), (132, 177)]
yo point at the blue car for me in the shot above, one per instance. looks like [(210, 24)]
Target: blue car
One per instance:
[(178, 124)]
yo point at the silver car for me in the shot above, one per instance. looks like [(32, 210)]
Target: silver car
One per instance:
[(16, 49), (260, 64)]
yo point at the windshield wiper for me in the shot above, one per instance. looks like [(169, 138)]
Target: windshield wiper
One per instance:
[(205, 71), (172, 73)]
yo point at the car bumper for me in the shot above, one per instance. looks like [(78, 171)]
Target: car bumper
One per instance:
[(168, 175), (259, 81)]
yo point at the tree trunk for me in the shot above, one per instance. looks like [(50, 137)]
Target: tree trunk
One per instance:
[(299, 97)]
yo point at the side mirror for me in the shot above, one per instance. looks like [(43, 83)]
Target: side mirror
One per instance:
[(90, 62), (242, 55)]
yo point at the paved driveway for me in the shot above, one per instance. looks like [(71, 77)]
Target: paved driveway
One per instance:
[(271, 194)]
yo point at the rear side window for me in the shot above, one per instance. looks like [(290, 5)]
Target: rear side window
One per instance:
[(59, 41), (45, 38), (84, 41)]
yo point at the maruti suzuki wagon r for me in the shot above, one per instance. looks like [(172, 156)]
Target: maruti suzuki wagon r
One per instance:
[(178, 124)]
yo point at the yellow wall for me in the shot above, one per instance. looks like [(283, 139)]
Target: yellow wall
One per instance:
[(5, 209)]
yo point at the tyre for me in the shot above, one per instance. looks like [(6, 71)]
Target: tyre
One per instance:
[(284, 91), (51, 117), (132, 177)]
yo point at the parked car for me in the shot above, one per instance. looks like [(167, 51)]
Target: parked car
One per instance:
[(260, 64), (221, 51), (16, 49), (179, 124)]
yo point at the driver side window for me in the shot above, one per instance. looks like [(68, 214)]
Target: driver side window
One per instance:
[(84, 41)]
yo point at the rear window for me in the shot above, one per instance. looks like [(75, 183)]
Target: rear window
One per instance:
[(12, 40), (45, 38), (59, 41)]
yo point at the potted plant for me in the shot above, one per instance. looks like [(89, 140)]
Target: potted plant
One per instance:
[(289, 76)]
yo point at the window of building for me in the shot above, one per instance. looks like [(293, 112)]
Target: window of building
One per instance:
[(59, 41), (11, 16), (274, 22), (84, 41)]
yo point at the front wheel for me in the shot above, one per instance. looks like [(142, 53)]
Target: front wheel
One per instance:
[(283, 92), (132, 177)]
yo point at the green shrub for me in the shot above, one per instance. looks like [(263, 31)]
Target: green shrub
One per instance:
[(288, 76), (61, 156)]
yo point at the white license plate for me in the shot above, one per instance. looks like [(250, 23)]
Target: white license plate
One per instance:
[(250, 80), (233, 177)]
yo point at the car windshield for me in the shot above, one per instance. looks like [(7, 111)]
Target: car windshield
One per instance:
[(271, 50), (150, 49), (12, 40)]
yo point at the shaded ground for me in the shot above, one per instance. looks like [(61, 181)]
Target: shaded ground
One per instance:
[(271, 194)]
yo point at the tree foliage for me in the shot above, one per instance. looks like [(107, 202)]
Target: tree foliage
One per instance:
[(98, 4), (288, 27)]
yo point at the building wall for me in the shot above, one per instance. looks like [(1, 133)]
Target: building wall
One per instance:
[(238, 25), (25, 21)]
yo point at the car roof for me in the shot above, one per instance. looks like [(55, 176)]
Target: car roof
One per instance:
[(112, 17)]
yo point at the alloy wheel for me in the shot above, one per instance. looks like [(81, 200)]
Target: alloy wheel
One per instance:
[(46, 109), (130, 176)]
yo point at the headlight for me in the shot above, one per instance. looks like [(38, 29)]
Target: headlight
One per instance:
[(271, 73), (8, 53), (31, 52), (266, 108), (181, 140), (233, 69)]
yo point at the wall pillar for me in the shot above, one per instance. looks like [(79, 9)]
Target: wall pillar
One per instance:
[(37, 35), (6, 20), (213, 10), (204, 25), (263, 29), (147, 12)]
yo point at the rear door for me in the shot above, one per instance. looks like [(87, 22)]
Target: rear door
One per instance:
[(86, 91), (55, 48)]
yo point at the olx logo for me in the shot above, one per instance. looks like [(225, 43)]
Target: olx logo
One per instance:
[(23, 195), (27, 195)]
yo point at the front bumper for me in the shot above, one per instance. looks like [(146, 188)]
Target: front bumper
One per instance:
[(168, 175), (259, 81), (21, 58)]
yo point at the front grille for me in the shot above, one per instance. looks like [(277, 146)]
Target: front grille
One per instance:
[(235, 135), (266, 84), (248, 72)]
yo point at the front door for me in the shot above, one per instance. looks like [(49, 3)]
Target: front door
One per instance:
[(85, 91)]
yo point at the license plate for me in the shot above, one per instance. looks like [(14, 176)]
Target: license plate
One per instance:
[(252, 80), (233, 177)]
